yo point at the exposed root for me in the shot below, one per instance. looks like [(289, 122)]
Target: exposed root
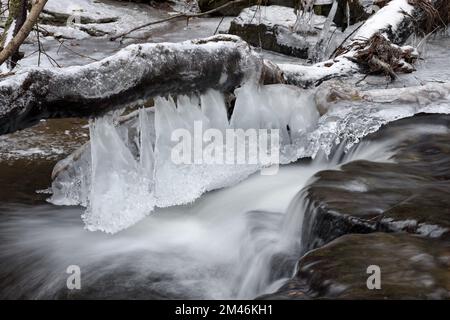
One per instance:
[(435, 16), (379, 55)]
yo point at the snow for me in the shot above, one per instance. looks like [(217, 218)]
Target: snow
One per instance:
[(312, 73), (388, 16), (267, 15), (66, 32), (274, 15), (88, 8), (122, 71), (81, 48)]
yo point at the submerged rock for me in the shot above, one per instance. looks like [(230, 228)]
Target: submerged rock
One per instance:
[(271, 28)]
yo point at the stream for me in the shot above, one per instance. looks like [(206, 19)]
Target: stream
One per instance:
[(237, 242), (236, 239)]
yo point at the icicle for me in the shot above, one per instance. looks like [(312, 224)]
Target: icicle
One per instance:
[(126, 176), (213, 107), (119, 196), (318, 53), (146, 155), (304, 17)]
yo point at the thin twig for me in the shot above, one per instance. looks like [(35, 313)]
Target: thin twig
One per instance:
[(345, 40), (218, 26), (61, 44), (74, 52), (39, 44)]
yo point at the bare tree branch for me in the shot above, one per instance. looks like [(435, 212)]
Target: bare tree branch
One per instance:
[(22, 34)]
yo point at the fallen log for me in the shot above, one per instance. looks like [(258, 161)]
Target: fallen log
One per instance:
[(136, 72), (223, 62)]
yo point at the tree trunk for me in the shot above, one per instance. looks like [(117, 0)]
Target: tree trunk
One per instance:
[(20, 20), (222, 62), (11, 46)]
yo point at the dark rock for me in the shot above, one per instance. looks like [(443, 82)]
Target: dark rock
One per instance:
[(411, 194), (271, 28), (411, 268), (408, 199)]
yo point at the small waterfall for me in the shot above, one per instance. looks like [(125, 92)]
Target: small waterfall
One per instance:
[(237, 242), (240, 240), (275, 241)]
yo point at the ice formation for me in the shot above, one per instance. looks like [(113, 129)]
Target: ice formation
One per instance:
[(128, 168)]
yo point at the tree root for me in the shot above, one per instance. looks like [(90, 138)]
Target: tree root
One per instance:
[(379, 55)]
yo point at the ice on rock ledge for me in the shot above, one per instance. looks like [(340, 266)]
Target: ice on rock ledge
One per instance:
[(127, 170)]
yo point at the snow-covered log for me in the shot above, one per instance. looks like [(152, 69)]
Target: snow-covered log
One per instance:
[(136, 72), (222, 62), (390, 26)]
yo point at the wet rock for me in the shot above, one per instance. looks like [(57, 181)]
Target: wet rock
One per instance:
[(395, 215), (411, 194), (411, 268), (271, 28)]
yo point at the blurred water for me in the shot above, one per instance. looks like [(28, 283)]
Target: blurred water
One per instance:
[(236, 242)]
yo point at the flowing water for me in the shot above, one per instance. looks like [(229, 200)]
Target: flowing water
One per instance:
[(235, 239), (237, 242)]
